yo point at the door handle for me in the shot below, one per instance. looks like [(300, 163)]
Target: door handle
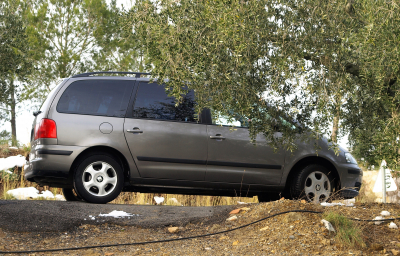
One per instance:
[(135, 130), (217, 137)]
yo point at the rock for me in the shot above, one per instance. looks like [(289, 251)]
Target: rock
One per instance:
[(245, 209), (393, 225), (385, 213), (376, 247), (395, 252), (236, 242), (291, 237), (292, 216), (207, 248), (232, 218), (264, 228), (223, 238), (328, 225), (173, 230), (303, 201), (236, 211), (378, 218)]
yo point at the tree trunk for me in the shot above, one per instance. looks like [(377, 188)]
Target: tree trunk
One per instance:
[(13, 124), (336, 119)]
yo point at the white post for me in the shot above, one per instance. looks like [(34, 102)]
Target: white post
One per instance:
[(384, 184)]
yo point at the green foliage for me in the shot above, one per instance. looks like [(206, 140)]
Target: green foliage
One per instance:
[(16, 61), (5, 137), (311, 60), (74, 36), (347, 232)]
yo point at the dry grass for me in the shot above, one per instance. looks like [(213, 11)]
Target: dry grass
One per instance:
[(15, 180)]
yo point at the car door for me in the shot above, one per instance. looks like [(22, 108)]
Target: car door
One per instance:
[(165, 140), (233, 160)]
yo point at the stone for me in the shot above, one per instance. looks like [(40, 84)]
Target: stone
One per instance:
[(328, 225), (173, 230), (393, 225), (378, 218), (236, 211), (232, 218), (291, 237), (395, 252)]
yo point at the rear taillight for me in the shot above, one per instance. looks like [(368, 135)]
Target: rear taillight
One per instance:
[(46, 129)]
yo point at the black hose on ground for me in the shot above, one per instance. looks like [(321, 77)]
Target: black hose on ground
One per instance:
[(176, 239)]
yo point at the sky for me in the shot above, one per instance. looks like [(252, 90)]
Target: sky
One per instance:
[(25, 116)]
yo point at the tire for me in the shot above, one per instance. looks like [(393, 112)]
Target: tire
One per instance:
[(313, 183), (70, 195), (98, 179)]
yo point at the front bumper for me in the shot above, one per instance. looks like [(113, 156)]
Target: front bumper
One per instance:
[(350, 180)]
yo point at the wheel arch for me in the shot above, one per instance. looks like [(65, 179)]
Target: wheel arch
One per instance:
[(312, 160), (100, 149)]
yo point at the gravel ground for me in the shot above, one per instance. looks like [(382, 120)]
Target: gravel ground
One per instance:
[(288, 234)]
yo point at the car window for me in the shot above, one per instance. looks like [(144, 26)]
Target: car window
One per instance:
[(241, 121), (152, 102), (237, 121), (96, 97)]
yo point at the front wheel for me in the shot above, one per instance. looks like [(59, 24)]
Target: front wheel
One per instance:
[(314, 183), (98, 179)]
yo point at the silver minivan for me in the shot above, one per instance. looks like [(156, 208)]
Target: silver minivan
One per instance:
[(96, 136)]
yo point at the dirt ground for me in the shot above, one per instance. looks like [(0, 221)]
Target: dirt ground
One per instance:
[(288, 234)]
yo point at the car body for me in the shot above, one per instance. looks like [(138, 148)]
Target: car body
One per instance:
[(126, 131)]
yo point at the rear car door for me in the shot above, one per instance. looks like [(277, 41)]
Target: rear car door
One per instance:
[(233, 160), (165, 140)]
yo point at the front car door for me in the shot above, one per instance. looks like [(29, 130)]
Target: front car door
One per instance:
[(166, 141), (234, 161)]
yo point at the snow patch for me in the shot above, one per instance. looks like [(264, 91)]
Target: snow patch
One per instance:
[(32, 193), (117, 214), (11, 162), (159, 199), (337, 204)]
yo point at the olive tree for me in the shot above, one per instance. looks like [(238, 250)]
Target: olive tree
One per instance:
[(330, 65)]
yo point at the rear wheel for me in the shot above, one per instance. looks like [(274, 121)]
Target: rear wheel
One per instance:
[(70, 195), (314, 183), (99, 179)]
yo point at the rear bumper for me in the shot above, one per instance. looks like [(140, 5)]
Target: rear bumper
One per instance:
[(49, 165)]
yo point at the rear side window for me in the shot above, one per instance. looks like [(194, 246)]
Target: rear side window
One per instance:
[(96, 97), (152, 102)]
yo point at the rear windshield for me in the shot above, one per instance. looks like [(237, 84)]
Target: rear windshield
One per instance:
[(96, 97)]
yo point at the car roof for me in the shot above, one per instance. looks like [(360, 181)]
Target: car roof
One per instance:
[(137, 74)]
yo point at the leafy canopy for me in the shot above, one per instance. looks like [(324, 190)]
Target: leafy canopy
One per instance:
[(310, 60)]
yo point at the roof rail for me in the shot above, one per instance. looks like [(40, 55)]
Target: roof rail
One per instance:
[(137, 74)]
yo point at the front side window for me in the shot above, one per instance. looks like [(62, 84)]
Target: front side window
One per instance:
[(237, 120), (152, 102), (96, 97)]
